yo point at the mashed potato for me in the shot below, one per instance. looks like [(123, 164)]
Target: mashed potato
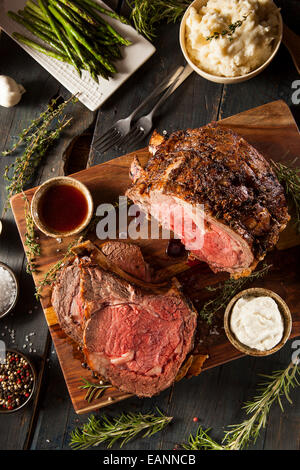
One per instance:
[(250, 45)]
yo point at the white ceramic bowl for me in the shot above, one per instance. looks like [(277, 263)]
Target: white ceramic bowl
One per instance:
[(285, 313), (217, 78)]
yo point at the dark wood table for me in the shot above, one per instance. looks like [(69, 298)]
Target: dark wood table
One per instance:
[(216, 396)]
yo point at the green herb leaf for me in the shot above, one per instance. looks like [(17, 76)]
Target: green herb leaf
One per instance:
[(229, 31), (121, 428), (32, 247), (94, 391), (225, 291), (37, 139), (290, 179), (147, 14), (276, 386)]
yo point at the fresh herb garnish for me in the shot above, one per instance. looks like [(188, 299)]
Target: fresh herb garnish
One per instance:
[(225, 291), (290, 179), (94, 391), (229, 31), (147, 14), (124, 428), (277, 386), (32, 247), (37, 139)]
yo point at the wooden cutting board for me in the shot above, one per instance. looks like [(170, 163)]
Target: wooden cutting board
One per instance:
[(273, 131)]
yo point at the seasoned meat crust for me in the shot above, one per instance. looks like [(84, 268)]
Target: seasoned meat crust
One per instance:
[(215, 167)]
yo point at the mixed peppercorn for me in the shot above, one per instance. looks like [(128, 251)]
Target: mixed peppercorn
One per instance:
[(16, 381)]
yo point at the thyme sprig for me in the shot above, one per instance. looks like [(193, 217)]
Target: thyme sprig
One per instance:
[(121, 428), (225, 291), (36, 139), (32, 247), (94, 391), (229, 31), (290, 179), (276, 386), (147, 14)]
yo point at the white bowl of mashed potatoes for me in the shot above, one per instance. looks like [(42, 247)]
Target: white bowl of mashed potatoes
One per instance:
[(230, 41)]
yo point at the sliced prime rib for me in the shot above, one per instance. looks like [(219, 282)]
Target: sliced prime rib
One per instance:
[(242, 205), (67, 301), (128, 257), (135, 339), (80, 286), (140, 345)]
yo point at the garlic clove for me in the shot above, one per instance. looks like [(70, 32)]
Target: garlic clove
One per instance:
[(10, 91)]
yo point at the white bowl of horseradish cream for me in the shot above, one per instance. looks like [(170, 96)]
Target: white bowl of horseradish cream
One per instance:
[(257, 322)]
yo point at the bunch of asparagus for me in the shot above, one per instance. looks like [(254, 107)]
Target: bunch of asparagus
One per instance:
[(76, 33)]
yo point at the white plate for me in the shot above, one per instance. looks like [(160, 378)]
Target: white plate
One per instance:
[(93, 95)]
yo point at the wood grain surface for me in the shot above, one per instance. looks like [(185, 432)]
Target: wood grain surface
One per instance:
[(216, 396), (271, 128)]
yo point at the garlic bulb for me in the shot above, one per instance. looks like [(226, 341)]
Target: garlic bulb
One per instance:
[(10, 91)]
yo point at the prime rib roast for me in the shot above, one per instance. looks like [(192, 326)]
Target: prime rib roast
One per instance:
[(138, 335), (244, 207), (135, 336)]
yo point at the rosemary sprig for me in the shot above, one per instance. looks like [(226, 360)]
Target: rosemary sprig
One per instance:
[(32, 247), (94, 391), (147, 14), (202, 441), (277, 386), (225, 291), (229, 31), (122, 428), (37, 139), (290, 179)]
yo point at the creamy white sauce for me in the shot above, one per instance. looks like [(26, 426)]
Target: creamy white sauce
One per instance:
[(251, 44), (257, 322)]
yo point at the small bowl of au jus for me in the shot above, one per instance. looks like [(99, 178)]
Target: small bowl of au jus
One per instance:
[(9, 290), (257, 322), (62, 207)]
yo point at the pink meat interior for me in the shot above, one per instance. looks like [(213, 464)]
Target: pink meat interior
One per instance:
[(136, 338), (208, 240)]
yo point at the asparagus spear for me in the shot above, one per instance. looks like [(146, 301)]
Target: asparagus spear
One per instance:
[(80, 38), (80, 11), (34, 7), (33, 29), (110, 13), (110, 29), (30, 15), (56, 30), (72, 18), (38, 47)]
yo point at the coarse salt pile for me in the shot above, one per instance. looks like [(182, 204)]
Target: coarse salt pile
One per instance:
[(7, 290)]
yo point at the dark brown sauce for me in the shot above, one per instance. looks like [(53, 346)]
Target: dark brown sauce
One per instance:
[(63, 208)]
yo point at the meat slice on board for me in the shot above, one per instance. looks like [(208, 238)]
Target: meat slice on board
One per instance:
[(222, 188), (136, 338), (128, 257)]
